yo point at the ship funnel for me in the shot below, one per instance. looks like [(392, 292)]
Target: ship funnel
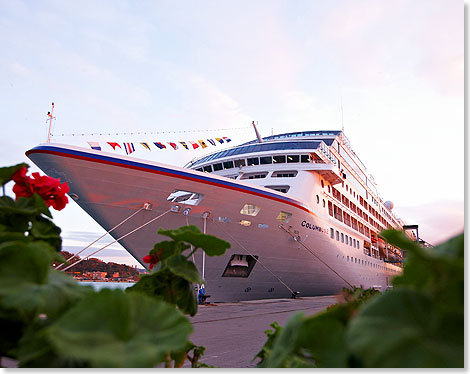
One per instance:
[(260, 140)]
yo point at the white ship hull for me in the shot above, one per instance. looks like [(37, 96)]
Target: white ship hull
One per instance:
[(111, 187)]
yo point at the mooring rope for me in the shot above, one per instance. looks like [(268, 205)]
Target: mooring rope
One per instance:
[(257, 260), (318, 258), (122, 237), (102, 236)]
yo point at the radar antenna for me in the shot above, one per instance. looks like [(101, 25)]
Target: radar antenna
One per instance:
[(260, 140)]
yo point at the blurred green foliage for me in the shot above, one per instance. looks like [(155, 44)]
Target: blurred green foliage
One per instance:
[(47, 319), (418, 323)]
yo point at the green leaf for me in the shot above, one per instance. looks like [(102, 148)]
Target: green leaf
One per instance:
[(210, 244), (400, 240), (323, 341), (283, 353), (403, 328), (166, 286), (7, 172), (179, 265), (30, 286), (439, 272), (44, 229), (114, 329)]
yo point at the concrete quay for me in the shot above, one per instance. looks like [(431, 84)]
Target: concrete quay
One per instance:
[(234, 332)]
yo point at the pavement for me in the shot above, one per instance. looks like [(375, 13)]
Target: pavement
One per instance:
[(233, 333)]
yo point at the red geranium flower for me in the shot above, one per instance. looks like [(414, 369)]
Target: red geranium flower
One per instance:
[(50, 189), (22, 187), (151, 259)]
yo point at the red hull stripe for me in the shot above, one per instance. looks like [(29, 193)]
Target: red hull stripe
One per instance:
[(135, 165)]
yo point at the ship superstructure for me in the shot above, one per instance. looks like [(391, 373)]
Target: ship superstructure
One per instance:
[(300, 210)]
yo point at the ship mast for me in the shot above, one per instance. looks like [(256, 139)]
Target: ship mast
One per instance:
[(49, 114), (260, 140)]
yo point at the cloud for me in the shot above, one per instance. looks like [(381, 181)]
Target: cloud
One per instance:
[(438, 221)]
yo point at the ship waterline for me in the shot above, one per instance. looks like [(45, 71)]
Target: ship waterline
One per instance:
[(281, 242)]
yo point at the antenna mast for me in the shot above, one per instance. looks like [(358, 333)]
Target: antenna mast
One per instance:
[(342, 123), (49, 114)]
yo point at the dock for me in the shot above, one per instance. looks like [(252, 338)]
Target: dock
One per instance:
[(233, 333)]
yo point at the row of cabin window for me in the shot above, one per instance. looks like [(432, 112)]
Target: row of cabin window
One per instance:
[(343, 199), (367, 263), (344, 238), (253, 161), (341, 216)]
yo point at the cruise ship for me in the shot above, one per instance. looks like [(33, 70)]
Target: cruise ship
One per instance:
[(300, 210)]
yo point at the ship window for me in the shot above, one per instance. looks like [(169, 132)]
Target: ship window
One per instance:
[(217, 167), (304, 158), (329, 189), (250, 210), (279, 188), (348, 258), (284, 217), (185, 197), (254, 175), (245, 223), (228, 165), (207, 168), (350, 241), (253, 161), (284, 174), (342, 238), (337, 235), (332, 233), (265, 160), (199, 169), (318, 199), (323, 203), (293, 158), (346, 239), (322, 184), (239, 163), (279, 159)]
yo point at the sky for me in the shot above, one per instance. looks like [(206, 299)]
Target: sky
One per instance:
[(390, 72)]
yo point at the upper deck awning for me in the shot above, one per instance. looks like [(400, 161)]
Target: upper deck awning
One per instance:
[(307, 145)]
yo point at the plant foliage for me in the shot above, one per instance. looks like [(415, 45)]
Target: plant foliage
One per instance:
[(48, 320), (419, 323)]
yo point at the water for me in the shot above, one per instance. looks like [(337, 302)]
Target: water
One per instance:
[(100, 285)]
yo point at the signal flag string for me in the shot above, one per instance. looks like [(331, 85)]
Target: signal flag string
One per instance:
[(148, 132)]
